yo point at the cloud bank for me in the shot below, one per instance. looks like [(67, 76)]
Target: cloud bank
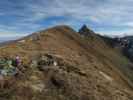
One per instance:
[(109, 17)]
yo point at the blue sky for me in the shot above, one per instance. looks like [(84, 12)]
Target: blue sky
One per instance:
[(109, 17)]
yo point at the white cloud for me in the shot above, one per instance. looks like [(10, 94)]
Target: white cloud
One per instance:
[(25, 16)]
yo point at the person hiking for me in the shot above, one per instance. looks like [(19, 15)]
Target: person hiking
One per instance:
[(18, 64), (17, 61)]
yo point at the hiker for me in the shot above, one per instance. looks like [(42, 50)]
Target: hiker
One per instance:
[(20, 68), (17, 61), (55, 63)]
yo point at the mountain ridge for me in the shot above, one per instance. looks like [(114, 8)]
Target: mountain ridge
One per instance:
[(82, 70)]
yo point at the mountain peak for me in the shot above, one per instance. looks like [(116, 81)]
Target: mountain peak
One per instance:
[(85, 31), (62, 27)]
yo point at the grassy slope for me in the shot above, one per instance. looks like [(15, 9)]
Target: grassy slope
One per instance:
[(90, 55), (113, 58)]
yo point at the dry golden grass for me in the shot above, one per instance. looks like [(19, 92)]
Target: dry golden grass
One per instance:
[(79, 75)]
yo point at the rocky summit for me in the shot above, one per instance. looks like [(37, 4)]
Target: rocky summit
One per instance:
[(60, 64), (85, 31)]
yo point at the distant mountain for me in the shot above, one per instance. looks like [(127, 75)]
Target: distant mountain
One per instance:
[(125, 44), (62, 64)]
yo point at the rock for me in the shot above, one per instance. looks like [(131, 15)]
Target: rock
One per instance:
[(38, 87), (107, 77), (22, 41), (85, 31)]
